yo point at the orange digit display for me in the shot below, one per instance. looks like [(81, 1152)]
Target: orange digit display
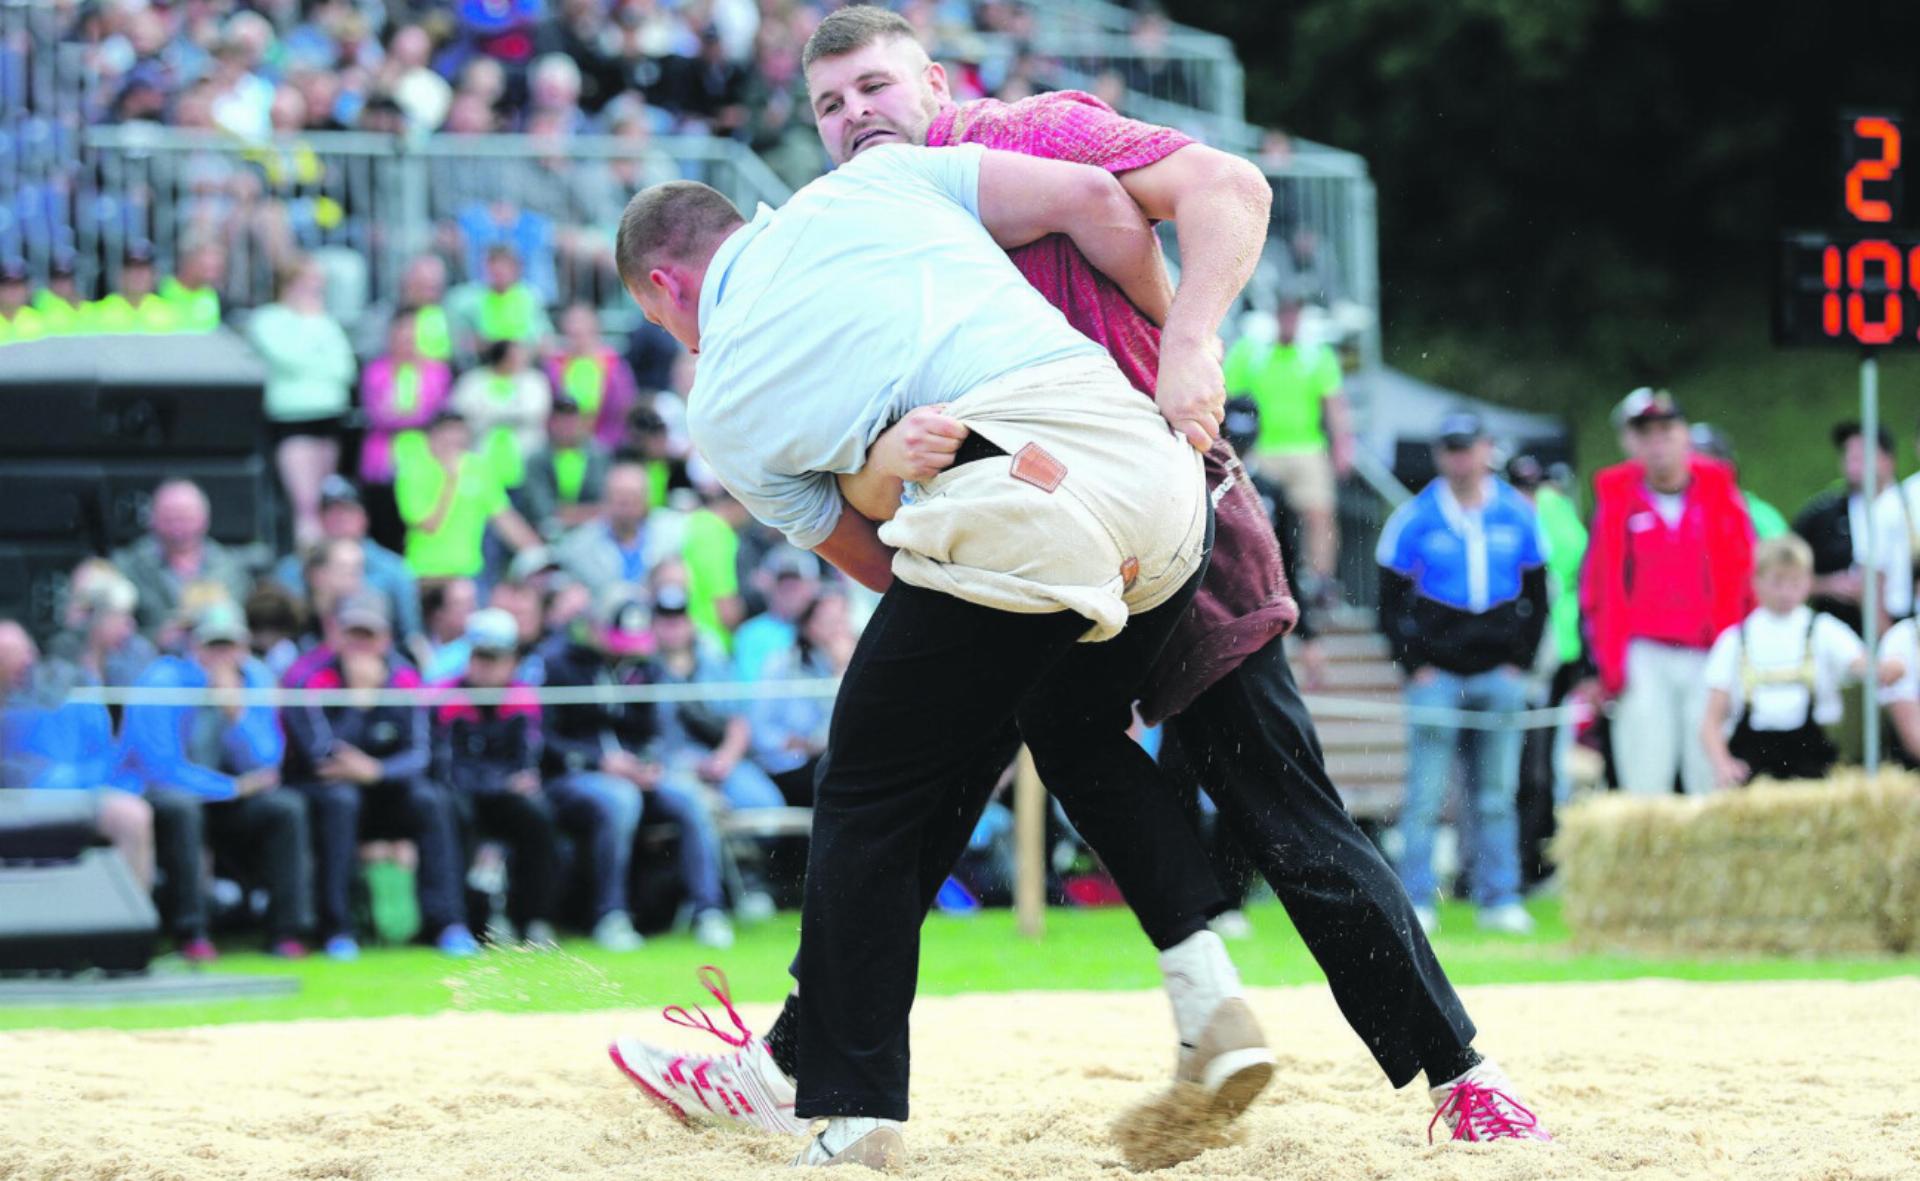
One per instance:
[(1887, 325), (1857, 283), (1880, 169)]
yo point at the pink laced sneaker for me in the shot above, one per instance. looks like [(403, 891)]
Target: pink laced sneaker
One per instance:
[(1479, 1106), (744, 1089)]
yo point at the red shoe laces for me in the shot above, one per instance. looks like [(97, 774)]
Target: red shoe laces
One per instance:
[(1483, 1113), (715, 982)]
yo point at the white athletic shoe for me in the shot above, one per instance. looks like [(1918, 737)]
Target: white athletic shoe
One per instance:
[(1222, 1048), (1482, 1105), (874, 1143), (614, 932), (1429, 919), (743, 1090), (1232, 924), (1509, 918), (712, 928)]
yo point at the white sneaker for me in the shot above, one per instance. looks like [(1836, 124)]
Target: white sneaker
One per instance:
[(755, 906), (1222, 1048), (712, 928), (1483, 1104), (614, 932), (1509, 918), (1232, 924), (540, 933), (857, 1140), (744, 1090), (1429, 919)]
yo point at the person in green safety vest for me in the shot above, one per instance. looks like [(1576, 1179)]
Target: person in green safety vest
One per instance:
[(590, 372), (1768, 521), (1563, 542), (193, 290), (59, 302), (506, 403), (423, 287), (566, 478), (19, 320), (135, 307), (502, 308)]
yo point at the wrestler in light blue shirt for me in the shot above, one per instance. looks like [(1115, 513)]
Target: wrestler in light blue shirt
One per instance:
[(874, 291)]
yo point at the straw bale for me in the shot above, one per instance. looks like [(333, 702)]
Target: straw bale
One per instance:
[(1797, 868)]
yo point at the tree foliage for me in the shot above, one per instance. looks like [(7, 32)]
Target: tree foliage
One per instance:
[(1585, 171)]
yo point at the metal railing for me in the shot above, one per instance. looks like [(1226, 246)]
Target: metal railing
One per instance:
[(371, 201)]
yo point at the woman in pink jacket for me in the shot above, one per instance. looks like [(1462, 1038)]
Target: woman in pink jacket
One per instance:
[(399, 393)]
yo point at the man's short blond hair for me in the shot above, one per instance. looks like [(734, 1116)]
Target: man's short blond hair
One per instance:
[(851, 29), (1782, 555), (680, 221)]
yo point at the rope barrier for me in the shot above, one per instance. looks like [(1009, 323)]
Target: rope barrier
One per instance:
[(1320, 705)]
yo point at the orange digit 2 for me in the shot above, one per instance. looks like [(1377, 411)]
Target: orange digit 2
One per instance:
[(1882, 169)]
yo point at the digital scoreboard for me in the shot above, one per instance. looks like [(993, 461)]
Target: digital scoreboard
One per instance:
[(1857, 285)]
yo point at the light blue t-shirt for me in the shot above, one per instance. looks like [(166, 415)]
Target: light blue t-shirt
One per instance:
[(873, 291)]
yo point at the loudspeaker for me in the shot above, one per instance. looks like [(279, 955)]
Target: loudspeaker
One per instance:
[(33, 581), (75, 915), (106, 397), (47, 825)]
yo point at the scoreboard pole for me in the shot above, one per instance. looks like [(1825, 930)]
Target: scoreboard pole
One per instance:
[(1870, 591)]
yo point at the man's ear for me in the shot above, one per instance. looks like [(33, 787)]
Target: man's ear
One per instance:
[(937, 81)]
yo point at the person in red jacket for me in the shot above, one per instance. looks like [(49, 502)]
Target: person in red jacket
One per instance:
[(1668, 569)]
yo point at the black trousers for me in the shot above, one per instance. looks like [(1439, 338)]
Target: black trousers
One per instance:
[(1249, 743), (922, 715), (526, 826), (1802, 753), (266, 834), (410, 809)]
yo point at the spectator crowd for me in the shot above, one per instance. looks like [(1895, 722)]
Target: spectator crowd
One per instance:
[(1701, 639)]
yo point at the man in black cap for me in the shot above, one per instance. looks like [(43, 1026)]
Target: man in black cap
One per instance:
[(19, 320), (1836, 522), (343, 516), (1463, 602), (566, 479), (365, 772), (59, 302)]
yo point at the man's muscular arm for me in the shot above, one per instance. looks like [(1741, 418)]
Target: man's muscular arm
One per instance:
[(855, 547), (918, 447), (1218, 204), (1025, 198)]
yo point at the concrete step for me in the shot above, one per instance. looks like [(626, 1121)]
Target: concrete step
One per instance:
[(1344, 734), (1371, 766), (1349, 646), (1345, 678)]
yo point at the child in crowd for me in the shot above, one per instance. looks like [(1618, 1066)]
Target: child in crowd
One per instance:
[(1773, 680)]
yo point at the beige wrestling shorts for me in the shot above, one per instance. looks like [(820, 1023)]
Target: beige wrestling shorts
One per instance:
[(1096, 507)]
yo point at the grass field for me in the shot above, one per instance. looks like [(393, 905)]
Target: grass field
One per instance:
[(1100, 949)]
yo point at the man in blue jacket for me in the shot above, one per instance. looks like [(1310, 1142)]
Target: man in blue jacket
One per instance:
[(57, 747), (1463, 602), (212, 774)]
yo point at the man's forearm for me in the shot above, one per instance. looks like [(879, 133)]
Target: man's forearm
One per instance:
[(1119, 241), (872, 493), (855, 548), (1222, 228)]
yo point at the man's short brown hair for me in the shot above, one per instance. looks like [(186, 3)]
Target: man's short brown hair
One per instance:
[(675, 220), (853, 28)]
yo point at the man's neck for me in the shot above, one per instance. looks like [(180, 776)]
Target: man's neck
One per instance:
[(625, 535), (1469, 493), (181, 553), (1669, 484)]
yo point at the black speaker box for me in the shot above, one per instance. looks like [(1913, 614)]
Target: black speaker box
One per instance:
[(33, 581), (75, 915), (106, 397)]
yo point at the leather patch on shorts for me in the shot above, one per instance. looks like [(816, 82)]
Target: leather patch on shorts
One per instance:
[(1129, 573), (1037, 466)]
